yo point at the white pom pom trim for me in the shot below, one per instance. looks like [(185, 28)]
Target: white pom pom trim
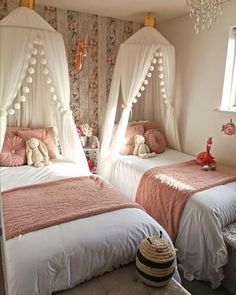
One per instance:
[(26, 89), (16, 106)]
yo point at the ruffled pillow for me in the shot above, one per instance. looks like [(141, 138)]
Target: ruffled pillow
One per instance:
[(46, 135), (155, 141), (128, 147), (13, 152)]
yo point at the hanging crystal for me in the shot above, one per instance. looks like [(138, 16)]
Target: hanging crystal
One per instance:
[(204, 12)]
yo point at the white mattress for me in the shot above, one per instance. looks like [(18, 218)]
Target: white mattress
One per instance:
[(201, 248), (61, 256)]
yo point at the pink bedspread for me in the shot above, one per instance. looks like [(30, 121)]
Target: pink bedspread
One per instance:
[(31, 208), (163, 191)]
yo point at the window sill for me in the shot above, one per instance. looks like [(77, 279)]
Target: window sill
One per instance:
[(224, 111)]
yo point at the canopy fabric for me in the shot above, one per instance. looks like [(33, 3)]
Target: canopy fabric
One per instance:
[(34, 80), (145, 53)]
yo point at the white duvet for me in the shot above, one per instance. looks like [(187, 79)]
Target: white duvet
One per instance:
[(201, 249), (61, 256)]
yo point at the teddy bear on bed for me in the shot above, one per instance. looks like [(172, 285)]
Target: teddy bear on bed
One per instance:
[(36, 153), (141, 149)]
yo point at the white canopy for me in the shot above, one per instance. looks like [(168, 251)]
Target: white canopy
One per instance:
[(34, 80), (145, 57)]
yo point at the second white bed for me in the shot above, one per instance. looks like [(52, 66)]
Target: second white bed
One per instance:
[(201, 248)]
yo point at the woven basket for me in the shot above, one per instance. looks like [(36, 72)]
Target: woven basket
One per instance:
[(155, 261)]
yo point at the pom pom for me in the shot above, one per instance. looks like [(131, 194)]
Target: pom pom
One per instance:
[(54, 97), (151, 68), (29, 80), (30, 70), (162, 83), (154, 61), (145, 82), (163, 89), (134, 100), (149, 75), (26, 89), (160, 68), (156, 54), (139, 94), (17, 106), (45, 71), (48, 80), (41, 51), (22, 98), (11, 112), (34, 51), (160, 61), (161, 76), (33, 61), (51, 89), (142, 88)]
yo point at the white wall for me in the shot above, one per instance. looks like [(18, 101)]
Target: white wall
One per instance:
[(200, 65)]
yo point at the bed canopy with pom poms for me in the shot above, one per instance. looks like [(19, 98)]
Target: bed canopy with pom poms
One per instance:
[(145, 58), (34, 80)]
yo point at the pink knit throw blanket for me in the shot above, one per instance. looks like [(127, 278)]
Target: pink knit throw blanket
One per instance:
[(34, 207), (163, 191)]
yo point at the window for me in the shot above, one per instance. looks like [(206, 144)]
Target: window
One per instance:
[(229, 90)]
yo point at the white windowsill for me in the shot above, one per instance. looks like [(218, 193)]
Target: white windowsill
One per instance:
[(224, 110)]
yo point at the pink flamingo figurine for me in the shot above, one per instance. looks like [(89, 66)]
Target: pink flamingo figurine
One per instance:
[(81, 52), (205, 159)]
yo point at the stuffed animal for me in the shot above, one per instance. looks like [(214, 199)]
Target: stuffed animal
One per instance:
[(36, 153), (141, 149), (205, 159)]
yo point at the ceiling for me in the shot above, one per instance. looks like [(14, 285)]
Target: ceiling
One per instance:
[(133, 10)]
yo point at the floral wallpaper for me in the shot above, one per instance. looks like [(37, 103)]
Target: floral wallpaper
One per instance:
[(90, 87)]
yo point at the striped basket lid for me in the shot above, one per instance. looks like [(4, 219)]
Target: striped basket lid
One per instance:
[(157, 249), (155, 261)]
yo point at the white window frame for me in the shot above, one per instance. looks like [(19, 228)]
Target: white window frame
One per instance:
[(229, 90)]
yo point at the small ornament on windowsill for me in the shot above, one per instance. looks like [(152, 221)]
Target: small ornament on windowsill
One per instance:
[(229, 128)]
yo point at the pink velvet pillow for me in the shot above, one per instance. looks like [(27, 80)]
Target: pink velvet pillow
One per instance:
[(46, 135), (146, 124), (13, 152), (155, 140), (131, 131)]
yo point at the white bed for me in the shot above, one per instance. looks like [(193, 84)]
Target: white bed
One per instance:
[(201, 248), (62, 256)]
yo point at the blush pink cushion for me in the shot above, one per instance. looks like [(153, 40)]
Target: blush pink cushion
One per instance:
[(131, 131), (155, 140), (46, 135), (13, 152), (146, 124)]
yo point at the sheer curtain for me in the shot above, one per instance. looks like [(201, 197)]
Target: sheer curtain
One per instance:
[(129, 74), (15, 52), (171, 129)]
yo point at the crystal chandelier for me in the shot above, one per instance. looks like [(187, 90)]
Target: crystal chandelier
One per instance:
[(204, 12)]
